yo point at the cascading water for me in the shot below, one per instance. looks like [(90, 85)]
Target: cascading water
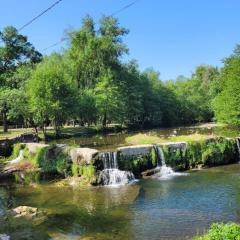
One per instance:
[(164, 172), (18, 158), (111, 175)]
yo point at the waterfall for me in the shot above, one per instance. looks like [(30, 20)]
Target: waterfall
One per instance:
[(18, 158), (111, 175), (164, 172)]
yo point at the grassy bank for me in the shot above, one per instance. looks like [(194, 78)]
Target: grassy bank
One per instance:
[(142, 138)]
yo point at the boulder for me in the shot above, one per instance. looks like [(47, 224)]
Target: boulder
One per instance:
[(4, 237), (27, 212), (136, 150), (83, 156), (33, 147)]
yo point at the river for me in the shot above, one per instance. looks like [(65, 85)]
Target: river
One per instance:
[(152, 209)]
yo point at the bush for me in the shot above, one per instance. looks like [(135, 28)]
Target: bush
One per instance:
[(230, 231)]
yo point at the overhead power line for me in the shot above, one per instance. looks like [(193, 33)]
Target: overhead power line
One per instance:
[(124, 8), (39, 15), (113, 14)]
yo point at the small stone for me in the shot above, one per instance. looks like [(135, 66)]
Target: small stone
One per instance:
[(4, 237)]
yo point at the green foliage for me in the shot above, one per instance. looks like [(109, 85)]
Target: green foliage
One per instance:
[(51, 160), (220, 152), (154, 157), (230, 231), (86, 171), (51, 92), (226, 104), (28, 177), (178, 159), (75, 170), (15, 151), (136, 164), (206, 153)]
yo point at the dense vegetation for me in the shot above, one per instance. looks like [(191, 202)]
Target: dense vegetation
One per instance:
[(89, 83), (230, 231)]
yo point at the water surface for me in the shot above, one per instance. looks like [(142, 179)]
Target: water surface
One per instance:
[(152, 209)]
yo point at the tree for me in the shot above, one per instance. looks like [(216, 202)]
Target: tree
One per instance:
[(226, 104), (16, 51), (53, 96), (17, 58)]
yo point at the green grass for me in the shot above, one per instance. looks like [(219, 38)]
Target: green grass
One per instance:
[(141, 138)]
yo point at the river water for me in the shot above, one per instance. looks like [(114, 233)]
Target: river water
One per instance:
[(151, 209)]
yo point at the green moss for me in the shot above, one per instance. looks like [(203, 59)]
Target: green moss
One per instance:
[(75, 170), (206, 153), (136, 164), (51, 161), (86, 171), (230, 231), (15, 152), (154, 157), (27, 177)]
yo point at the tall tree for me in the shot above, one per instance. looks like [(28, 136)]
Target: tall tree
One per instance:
[(226, 104), (16, 55), (53, 96)]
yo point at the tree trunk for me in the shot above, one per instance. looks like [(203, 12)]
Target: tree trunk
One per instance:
[(5, 124), (104, 122)]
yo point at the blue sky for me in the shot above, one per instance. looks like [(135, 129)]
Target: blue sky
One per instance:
[(172, 36)]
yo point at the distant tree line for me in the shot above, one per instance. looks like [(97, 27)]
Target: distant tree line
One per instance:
[(88, 83)]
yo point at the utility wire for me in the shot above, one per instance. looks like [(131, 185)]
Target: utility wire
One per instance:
[(39, 15), (124, 8), (113, 14)]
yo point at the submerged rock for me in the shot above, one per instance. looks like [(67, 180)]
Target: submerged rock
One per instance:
[(27, 212), (4, 237), (83, 156)]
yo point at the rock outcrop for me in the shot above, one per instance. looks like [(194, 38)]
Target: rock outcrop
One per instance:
[(33, 147), (83, 156), (172, 146), (135, 150)]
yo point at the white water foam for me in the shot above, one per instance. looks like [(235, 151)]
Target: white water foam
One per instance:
[(165, 172), (18, 158), (111, 175)]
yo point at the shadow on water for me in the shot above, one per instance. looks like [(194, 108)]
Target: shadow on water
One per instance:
[(152, 209)]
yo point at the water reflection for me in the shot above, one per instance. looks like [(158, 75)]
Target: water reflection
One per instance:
[(151, 209)]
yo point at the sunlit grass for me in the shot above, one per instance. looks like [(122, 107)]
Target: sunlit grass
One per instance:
[(190, 138), (141, 138)]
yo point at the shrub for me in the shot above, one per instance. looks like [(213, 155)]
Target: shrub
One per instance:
[(230, 231)]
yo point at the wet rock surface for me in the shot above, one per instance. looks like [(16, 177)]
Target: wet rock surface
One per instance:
[(27, 212), (82, 156)]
